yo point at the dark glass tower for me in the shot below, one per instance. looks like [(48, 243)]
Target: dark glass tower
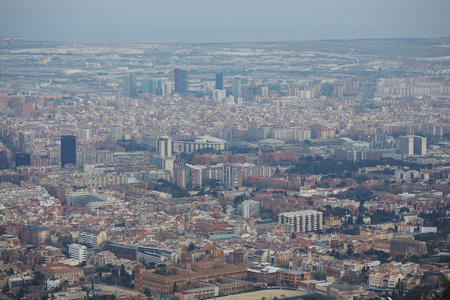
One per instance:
[(22, 159), (68, 150), (219, 81), (181, 81), (3, 160)]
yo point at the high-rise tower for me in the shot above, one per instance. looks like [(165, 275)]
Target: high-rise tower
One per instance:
[(181, 81), (129, 86), (68, 150), (236, 87), (219, 81)]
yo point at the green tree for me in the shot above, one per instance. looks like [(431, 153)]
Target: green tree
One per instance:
[(123, 272), (191, 247), (350, 250), (319, 275), (404, 210), (147, 292), (21, 293)]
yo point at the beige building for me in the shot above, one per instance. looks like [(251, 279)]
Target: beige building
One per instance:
[(99, 181), (60, 270)]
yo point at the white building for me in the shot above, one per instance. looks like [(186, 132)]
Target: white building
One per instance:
[(250, 208), (301, 221), (92, 238), (78, 252)]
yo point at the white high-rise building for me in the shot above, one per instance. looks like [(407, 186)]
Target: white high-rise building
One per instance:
[(413, 145), (164, 151), (250, 208), (219, 94), (164, 147), (302, 221), (78, 252)]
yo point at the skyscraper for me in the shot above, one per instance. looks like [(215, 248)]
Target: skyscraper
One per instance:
[(164, 147), (412, 145), (149, 86), (219, 81), (181, 81), (3, 160), (164, 153), (236, 87), (129, 86), (68, 150), (420, 145), (22, 159)]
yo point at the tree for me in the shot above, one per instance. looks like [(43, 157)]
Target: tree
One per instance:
[(350, 249), (191, 246), (21, 293), (123, 272), (147, 292), (39, 277), (404, 210), (359, 220), (319, 275)]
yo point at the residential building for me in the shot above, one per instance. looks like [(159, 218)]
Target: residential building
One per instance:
[(292, 277), (103, 258), (250, 208), (301, 221), (78, 252), (92, 238), (35, 235)]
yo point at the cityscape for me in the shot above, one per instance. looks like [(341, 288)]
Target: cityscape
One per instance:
[(237, 170)]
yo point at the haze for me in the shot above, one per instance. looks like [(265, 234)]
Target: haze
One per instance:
[(221, 21)]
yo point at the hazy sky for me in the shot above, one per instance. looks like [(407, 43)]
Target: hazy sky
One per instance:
[(222, 20)]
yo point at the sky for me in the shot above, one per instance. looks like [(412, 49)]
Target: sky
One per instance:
[(215, 21)]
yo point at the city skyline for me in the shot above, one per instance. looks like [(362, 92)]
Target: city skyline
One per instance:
[(143, 155), (233, 21)]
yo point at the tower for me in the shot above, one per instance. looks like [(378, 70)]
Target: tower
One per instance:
[(129, 86), (181, 81), (236, 87), (68, 150), (149, 86), (164, 147), (22, 159), (219, 81), (3, 160), (164, 152), (420, 145)]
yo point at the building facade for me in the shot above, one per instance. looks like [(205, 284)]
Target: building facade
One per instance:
[(301, 221), (181, 81), (78, 252), (68, 150)]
